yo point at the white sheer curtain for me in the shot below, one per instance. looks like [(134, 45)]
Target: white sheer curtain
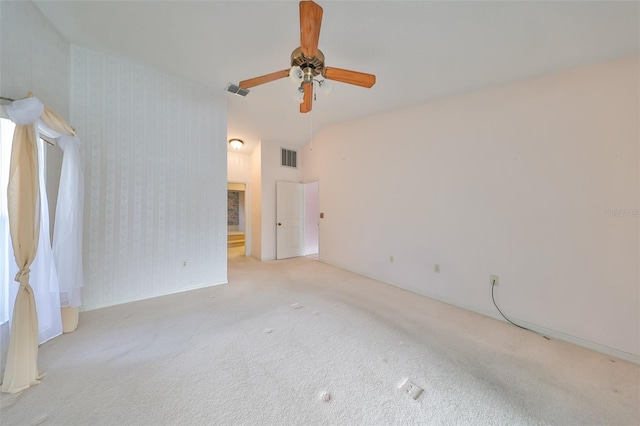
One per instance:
[(36, 313), (67, 235), (66, 268)]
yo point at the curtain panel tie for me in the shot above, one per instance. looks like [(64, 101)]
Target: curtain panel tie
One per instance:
[(23, 276)]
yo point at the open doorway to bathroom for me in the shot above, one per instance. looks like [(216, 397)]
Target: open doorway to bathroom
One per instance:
[(236, 220)]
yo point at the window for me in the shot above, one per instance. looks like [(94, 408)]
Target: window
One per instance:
[(6, 140)]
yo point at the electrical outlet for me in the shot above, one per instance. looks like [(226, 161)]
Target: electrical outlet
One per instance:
[(184, 263), (436, 268), (493, 280)]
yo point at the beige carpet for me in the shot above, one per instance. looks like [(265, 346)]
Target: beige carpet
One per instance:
[(297, 342)]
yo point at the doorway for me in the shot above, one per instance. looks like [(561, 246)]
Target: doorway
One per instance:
[(237, 245), (297, 219)]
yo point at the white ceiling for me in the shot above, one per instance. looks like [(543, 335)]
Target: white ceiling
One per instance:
[(419, 50)]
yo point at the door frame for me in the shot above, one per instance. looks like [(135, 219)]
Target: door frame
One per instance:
[(305, 182)]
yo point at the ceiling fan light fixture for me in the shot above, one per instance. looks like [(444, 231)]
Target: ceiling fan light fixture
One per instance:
[(325, 86), (296, 74), (236, 143), (299, 96)]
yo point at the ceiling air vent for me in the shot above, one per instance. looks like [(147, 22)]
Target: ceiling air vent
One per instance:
[(234, 88), (288, 158)]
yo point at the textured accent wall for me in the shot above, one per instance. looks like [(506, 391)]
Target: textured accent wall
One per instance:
[(156, 178), (233, 208)]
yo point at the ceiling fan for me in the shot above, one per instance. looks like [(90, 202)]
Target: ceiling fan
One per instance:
[(307, 61)]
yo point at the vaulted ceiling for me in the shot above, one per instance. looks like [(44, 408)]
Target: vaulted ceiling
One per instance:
[(419, 50)]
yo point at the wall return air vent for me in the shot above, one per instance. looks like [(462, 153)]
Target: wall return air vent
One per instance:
[(288, 158)]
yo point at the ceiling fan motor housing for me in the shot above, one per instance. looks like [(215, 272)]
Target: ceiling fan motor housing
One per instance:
[(310, 66)]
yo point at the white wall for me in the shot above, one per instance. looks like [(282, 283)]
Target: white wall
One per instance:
[(34, 58), (255, 200), (311, 217), (156, 179), (271, 173), (515, 181), (238, 167)]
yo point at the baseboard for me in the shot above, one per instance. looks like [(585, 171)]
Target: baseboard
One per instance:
[(625, 356), (555, 334), (86, 308)]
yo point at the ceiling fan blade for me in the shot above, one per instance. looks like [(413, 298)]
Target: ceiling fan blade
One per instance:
[(305, 106), (350, 77), (310, 22), (245, 84)]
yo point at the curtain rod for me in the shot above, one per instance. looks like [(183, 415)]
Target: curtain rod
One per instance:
[(41, 137)]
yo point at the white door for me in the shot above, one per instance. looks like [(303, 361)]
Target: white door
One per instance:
[(289, 219)]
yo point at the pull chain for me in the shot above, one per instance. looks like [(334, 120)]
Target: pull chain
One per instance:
[(311, 129)]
